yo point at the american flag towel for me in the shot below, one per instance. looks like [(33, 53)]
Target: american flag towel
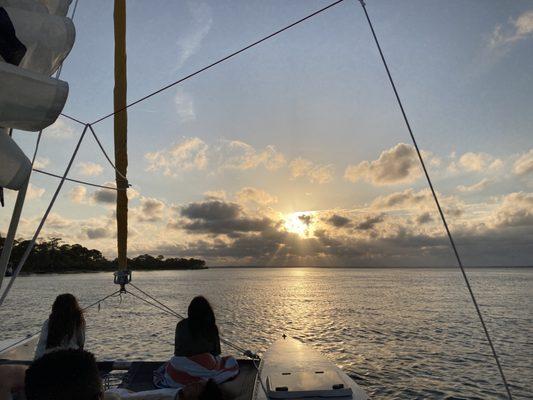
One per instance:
[(182, 371)]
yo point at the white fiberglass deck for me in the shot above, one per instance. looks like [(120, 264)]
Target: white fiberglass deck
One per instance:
[(289, 369)]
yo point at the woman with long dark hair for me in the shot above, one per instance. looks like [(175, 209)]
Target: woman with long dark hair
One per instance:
[(64, 328), (199, 332)]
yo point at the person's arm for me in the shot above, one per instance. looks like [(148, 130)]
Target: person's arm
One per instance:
[(41, 345), (218, 351), (176, 339), (81, 337), (11, 380)]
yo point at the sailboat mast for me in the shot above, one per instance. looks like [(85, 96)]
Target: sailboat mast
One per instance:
[(121, 132)]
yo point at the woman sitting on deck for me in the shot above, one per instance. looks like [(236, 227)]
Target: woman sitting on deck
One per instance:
[(64, 328), (198, 333), (196, 357)]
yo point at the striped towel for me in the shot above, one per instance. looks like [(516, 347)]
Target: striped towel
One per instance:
[(182, 371)]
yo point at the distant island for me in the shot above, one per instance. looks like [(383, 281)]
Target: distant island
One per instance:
[(51, 256)]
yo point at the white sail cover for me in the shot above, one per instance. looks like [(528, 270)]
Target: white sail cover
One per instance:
[(56, 7), (14, 165), (48, 38), (29, 101), (35, 38)]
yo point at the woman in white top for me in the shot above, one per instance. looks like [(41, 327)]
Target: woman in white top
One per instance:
[(64, 328)]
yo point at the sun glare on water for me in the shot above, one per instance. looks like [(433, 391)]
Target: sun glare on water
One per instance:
[(299, 223)]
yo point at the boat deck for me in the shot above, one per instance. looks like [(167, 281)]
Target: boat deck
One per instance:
[(139, 378), (138, 375)]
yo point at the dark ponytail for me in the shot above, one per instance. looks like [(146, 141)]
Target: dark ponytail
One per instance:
[(65, 321), (202, 318)]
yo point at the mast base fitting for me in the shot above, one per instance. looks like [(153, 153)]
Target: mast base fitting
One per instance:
[(122, 278)]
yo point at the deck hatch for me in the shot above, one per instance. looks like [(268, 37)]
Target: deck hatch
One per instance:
[(306, 384)]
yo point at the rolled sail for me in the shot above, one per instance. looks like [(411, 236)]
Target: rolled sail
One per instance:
[(57, 7), (15, 167), (47, 38), (29, 101)]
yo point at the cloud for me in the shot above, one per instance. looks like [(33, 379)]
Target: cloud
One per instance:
[(187, 155), (338, 221), (254, 195), (223, 232), (235, 154), (216, 217), (97, 233), (516, 210), (34, 192), (402, 200), (424, 218), (41, 162), (105, 196), (55, 220), (59, 130), (211, 210), (215, 195), (201, 18), (369, 222), (151, 210), (476, 187), (409, 201), (503, 36), (193, 154), (78, 194), (524, 164), (305, 219), (109, 196), (477, 162), (184, 106), (315, 173), (90, 169), (394, 166)]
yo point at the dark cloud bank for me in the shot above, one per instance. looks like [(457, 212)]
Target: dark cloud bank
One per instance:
[(224, 234)]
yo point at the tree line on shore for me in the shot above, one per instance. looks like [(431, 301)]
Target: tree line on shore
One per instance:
[(51, 255)]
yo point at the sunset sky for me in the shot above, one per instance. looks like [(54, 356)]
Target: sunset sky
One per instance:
[(295, 152)]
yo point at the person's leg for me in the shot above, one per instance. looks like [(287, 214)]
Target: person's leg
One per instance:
[(11, 380)]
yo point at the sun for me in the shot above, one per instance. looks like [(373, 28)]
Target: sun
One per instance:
[(299, 222)]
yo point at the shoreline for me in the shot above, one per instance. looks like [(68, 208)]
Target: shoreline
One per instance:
[(88, 271)]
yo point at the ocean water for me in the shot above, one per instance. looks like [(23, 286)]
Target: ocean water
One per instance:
[(401, 333)]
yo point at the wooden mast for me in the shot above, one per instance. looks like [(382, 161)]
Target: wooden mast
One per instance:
[(121, 132)]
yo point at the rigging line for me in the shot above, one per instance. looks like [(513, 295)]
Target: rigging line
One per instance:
[(452, 242), (39, 331), (260, 377), (152, 304), (218, 61), (20, 341), (174, 313), (106, 156), (102, 299), (76, 180), (72, 19), (157, 301), (43, 220), (73, 119)]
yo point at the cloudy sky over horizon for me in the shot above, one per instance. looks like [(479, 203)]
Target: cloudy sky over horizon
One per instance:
[(295, 152)]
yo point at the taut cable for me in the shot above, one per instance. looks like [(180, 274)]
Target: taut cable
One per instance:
[(443, 218)]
